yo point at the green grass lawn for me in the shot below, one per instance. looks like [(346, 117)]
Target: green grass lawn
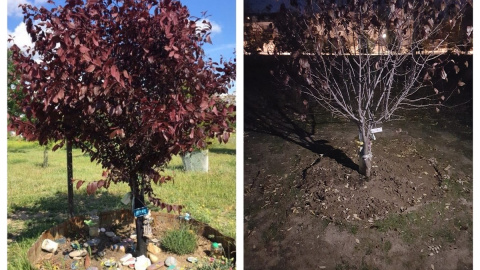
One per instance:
[(37, 196)]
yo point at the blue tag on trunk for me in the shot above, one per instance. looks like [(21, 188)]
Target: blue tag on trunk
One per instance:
[(140, 212)]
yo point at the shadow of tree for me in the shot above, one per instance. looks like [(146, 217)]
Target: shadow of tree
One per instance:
[(272, 109), (176, 167), (47, 212), (222, 151)]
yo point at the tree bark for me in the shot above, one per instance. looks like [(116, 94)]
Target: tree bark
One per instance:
[(69, 178), (139, 201), (365, 153), (141, 248), (45, 157)]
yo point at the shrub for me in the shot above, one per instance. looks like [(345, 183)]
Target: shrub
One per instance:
[(215, 264), (180, 241)]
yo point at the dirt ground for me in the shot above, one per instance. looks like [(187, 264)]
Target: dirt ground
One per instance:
[(307, 207)]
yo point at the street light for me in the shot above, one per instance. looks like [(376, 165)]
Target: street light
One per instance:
[(384, 36)]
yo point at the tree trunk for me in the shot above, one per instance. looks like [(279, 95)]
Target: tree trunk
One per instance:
[(139, 201), (365, 153), (141, 248), (69, 178), (45, 157)]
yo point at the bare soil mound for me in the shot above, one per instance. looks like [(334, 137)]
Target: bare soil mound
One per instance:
[(307, 207)]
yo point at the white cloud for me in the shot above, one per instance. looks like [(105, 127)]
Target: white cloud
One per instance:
[(20, 37), (216, 28), (15, 11)]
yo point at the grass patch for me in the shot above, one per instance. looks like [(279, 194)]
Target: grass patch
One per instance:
[(351, 228), (37, 197), (365, 266), (455, 189), (344, 265), (410, 226), (387, 246), (271, 233), (417, 226), (218, 264), (17, 255), (180, 241), (445, 234), (18, 160)]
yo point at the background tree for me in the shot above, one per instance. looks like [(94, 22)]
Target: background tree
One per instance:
[(14, 91), (256, 36), (127, 82), (358, 83)]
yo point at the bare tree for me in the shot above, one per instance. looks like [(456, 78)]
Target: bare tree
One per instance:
[(366, 60)]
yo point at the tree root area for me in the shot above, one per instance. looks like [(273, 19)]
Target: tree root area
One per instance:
[(114, 248)]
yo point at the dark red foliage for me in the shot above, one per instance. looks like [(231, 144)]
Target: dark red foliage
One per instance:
[(126, 81)]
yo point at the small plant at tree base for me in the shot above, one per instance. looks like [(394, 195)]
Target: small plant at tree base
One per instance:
[(215, 264), (180, 241)]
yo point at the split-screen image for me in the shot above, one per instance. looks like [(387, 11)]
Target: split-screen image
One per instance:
[(270, 134)]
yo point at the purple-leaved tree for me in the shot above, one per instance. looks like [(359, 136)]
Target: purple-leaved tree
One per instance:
[(125, 81)]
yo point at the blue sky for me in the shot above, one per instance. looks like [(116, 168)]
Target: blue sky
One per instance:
[(221, 14)]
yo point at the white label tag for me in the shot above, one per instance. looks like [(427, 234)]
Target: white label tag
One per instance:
[(376, 130)]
